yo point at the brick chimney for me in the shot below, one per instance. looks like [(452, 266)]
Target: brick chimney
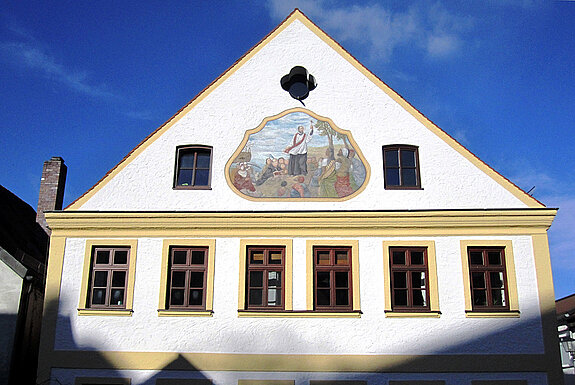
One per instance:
[(51, 189)]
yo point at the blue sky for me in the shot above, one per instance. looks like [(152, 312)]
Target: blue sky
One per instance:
[(89, 80)]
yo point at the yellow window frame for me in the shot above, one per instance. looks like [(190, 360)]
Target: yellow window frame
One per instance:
[(509, 270), (354, 245), (163, 310), (432, 279), (84, 287)]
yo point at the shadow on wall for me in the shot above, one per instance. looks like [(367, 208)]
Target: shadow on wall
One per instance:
[(445, 358), (99, 365)]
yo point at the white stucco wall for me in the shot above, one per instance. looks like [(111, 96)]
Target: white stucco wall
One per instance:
[(373, 333), (10, 288), (343, 94)]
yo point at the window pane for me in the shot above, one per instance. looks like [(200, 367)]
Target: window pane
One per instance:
[(476, 257), (198, 257), (400, 297), (274, 297), (496, 280), (498, 297), (196, 297), (117, 297), (391, 159), (257, 257), (392, 177), (100, 278), (478, 280), (256, 279), (398, 257), (341, 297), (419, 298), (203, 160), (494, 258), (323, 297), (99, 296), (256, 297), (480, 297), (120, 257), (118, 279), (177, 297), (196, 279), (341, 257), (202, 177), (178, 279), (418, 280), (323, 279), (417, 258), (180, 257), (408, 177), (323, 258), (274, 279), (102, 257), (407, 158), (400, 280), (185, 177), (186, 159), (341, 279), (275, 258)]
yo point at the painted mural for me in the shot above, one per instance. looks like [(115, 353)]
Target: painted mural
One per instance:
[(297, 156)]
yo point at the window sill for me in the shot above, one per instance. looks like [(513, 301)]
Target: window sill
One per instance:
[(192, 188), (412, 314), (106, 312), (298, 314), (492, 314), (185, 313)]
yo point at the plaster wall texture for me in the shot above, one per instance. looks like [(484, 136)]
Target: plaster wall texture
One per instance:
[(148, 377), (344, 95), (373, 333), (9, 304)]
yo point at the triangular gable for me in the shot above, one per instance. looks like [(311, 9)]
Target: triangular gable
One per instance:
[(298, 15)]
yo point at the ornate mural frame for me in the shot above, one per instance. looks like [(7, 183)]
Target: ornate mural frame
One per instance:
[(260, 127)]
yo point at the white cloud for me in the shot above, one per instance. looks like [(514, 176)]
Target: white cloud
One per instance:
[(426, 26), (34, 58)]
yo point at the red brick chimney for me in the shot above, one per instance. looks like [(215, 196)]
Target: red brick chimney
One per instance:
[(51, 189)]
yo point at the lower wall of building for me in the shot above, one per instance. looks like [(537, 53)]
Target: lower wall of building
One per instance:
[(151, 377), (9, 303)]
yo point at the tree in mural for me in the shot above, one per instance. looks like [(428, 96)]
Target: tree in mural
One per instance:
[(324, 129)]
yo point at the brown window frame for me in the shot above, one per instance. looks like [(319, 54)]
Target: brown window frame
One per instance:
[(265, 268), (195, 149), (188, 268), (399, 148), (409, 268), (110, 268), (486, 268), (333, 268)]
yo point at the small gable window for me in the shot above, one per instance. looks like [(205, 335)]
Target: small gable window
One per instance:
[(401, 167), (193, 167)]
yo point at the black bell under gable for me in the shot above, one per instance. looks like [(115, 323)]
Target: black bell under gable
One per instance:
[(299, 82)]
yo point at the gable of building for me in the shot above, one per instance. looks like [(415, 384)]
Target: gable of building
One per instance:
[(355, 103)]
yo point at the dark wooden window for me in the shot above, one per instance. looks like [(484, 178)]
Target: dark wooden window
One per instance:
[(409, 278), (187, 280), (265, 279), (488, 278), (401, 167), (109, 277), (193, 167), (332, 278)]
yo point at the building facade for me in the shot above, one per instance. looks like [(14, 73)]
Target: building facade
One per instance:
[(253, 240)]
